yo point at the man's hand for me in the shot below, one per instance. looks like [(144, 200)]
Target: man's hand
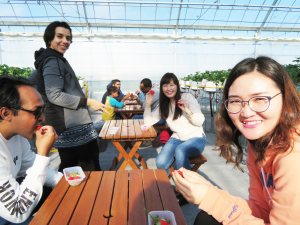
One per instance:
[(45, 138), (126, 97), (133, 96)]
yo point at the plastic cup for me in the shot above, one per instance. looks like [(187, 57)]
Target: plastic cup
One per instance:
[(167, 215), (74, 175)]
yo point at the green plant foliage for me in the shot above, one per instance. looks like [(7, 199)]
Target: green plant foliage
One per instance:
[(219, 76), (294, 70), (15, 71)]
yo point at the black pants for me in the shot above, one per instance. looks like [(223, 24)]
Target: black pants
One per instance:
[(204, 219), (86, 156), (46, 193)]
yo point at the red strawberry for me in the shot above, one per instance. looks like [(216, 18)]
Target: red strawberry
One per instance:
[(39, 126), (151, 92), (180, 173), (164, 222), (179, 104), (74, 178)]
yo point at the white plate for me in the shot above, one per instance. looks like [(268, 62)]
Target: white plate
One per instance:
[(74, 171), (167, 215)]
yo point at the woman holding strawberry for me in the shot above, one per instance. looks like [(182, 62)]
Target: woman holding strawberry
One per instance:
[(261, 103), (182, 113)]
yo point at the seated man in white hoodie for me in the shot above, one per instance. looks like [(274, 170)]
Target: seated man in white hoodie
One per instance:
[(22, 172)]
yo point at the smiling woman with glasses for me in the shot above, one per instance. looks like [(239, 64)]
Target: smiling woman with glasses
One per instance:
[(262, 104)]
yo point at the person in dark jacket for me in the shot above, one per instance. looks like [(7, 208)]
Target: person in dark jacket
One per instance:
[(121, 96), (66, 107)]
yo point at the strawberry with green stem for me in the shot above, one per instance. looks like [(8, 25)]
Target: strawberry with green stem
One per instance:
[(73, 176), (160, 221)]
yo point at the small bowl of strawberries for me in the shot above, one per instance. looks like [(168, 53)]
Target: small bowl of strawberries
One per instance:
[(161, 218), (74, 175)]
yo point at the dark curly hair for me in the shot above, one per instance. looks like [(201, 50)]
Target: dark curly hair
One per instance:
[(50, 31)]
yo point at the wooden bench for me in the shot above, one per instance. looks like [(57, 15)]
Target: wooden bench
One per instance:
[(195, 161)]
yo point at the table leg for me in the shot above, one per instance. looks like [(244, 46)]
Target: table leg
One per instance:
[(128, 144), (126, 116), (127, 157), (141, 160), (210, 104), (116, 160), (131, 154), (114, 163)]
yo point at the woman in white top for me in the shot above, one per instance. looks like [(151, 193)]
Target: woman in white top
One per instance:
[(183, 116)]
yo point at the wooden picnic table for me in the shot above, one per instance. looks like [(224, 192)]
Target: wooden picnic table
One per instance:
[(129, 110), (131, 102), (110, 198), (127, 135)]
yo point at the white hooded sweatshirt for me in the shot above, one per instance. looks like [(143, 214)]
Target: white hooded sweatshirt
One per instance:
[(17, 201)]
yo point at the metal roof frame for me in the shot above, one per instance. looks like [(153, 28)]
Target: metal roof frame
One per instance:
[(272, 20)]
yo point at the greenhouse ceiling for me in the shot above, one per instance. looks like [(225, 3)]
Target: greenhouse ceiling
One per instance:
[(255, 20)]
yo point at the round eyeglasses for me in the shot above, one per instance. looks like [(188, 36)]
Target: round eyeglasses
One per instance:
[(257, 103)]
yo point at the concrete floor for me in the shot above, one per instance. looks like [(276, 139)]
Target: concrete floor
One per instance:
[(215, 170)]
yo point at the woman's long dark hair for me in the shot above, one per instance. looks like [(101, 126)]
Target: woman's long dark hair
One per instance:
[(280, 139), (164, 102)]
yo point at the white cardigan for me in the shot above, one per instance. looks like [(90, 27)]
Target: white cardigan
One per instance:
[(185, 126), (17, 160)]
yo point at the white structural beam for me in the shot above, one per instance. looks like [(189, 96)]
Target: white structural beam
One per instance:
[(217, 3), (157, 26), (98, 36)]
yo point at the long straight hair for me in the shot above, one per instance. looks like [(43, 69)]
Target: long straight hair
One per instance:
[(164, 101)]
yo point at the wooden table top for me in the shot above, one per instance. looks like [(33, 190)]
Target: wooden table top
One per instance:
[(130, 109), (110, 198), (131, 102), (127, 130)]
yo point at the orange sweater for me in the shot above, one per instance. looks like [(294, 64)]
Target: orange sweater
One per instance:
[(278, 204)]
